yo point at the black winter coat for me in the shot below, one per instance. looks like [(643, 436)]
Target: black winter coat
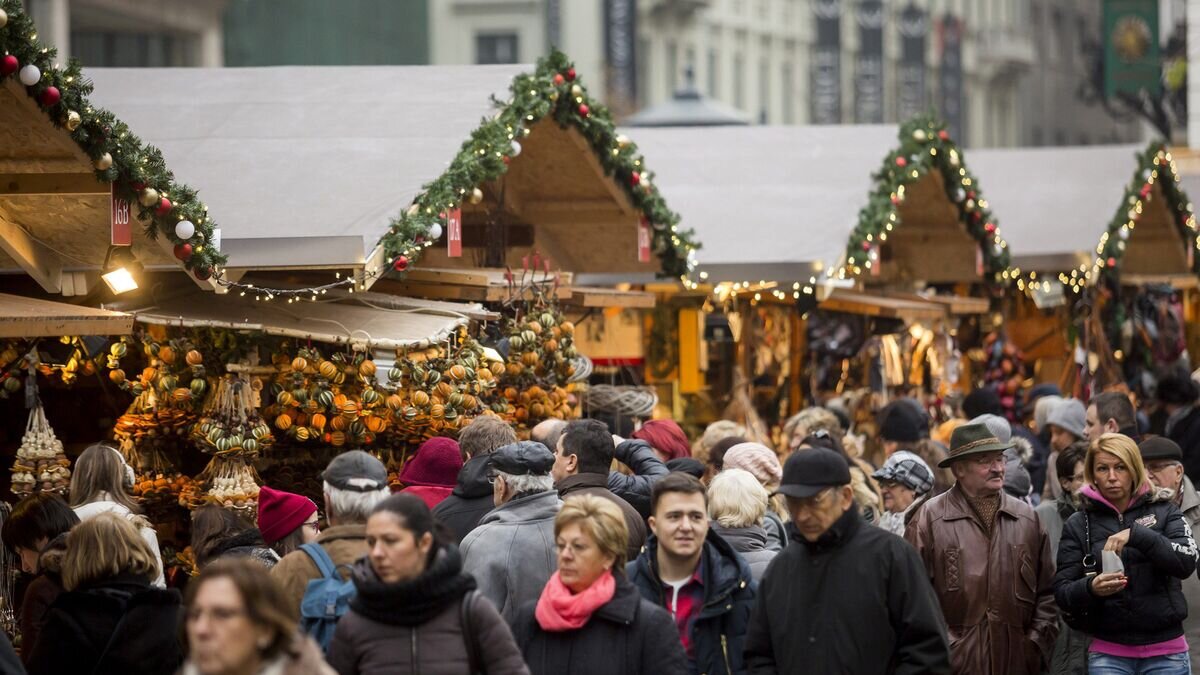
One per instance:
[(628, 635), (856, 602), (719, 633), (470, 501), (120, 626), (1186, 432), (647, 469), (1160, 552)]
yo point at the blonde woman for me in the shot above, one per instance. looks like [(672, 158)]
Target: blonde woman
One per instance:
[(763, 464), (590, 619), (1134, 613), (101, 484), (737, 503), (110, 619)]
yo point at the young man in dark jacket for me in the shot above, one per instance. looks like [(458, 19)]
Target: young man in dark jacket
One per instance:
[(844, 597), (695, 575), (472, 496)]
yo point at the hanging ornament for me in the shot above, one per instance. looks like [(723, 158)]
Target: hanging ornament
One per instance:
[(920, 136), (435, 231), (873, 254), (635, 178), (506, 159), (553, 95), (944, 135), (30, 75), (583, 110), (413, 210), (959, 195), (901, 162), (897, 199), (72, 120), (1123, 233), (1145, 191), (103, 162), (184, 229), (3, 18), (969, 204), (476, 197), (183, 251), (646, 185), (9, 65), (516, 148), (558, 79), (622, 141), (400, 264), (1133, 214), (866, 245), (50, 96), (576, 90), (164, 207), (997, 249), (148, 197), (203, 273), (1112, 262), (990, 228), (570, 74)]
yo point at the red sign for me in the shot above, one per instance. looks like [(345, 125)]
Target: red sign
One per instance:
[(979, 260), (644, 240), (122, 220), (454, 233)]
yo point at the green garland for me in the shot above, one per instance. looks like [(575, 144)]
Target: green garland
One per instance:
[(1153, 163), (925, 146), (553, 90), (119, 157)]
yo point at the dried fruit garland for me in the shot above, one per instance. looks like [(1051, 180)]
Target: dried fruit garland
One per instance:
[(41, 465), (333, 401), (540, 363), (175, 371), (19, 360)]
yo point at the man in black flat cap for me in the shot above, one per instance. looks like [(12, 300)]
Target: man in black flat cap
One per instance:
[(844, 597), (511, 552), (1164, 464)]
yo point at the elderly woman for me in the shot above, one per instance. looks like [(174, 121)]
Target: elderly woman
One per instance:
[(1135, 612), (737, 503), (240, 621), (903, 479), (590, 620), (763, 464), (110, 619)]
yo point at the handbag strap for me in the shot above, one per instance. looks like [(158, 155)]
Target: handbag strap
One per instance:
[(1089, 560), (468, 629)]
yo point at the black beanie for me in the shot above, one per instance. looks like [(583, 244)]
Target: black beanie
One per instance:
[(1177, 388), (982, 402), (901, 422)]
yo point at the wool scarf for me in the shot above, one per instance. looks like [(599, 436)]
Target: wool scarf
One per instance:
[(415, 601), (559, 610)]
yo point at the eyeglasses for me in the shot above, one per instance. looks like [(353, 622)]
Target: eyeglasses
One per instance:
[(809, 503), (315, 525), (491, 478)]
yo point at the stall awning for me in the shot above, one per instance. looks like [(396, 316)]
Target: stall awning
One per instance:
[(492, 285), (870, 304), (22, 317), (403, 322)]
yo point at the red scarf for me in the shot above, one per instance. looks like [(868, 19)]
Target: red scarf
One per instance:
[(559, 610)]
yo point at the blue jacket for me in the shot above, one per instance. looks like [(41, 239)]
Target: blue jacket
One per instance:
[(719, 633)]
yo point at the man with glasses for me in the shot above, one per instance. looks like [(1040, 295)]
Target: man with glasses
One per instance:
[(844, 597), (1164, 463), (511, 553), (989, 559)]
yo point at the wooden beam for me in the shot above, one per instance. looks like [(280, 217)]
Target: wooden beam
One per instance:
[(37, 260), (29, 317), (585, 296), (51, 184)]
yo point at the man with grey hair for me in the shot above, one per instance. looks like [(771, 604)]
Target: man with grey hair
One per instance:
[(512, 554), (355, 482)]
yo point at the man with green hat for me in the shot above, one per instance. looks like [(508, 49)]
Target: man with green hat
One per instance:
[(989, 560)]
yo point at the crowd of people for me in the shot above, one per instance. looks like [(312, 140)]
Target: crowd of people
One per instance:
[(1057, 542)]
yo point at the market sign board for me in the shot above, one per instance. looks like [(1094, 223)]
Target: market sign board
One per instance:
[(1132, 63), (454, 233), (121, 223), (643, 240)]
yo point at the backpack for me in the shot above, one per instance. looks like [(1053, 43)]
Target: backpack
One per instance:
[(326, 599)]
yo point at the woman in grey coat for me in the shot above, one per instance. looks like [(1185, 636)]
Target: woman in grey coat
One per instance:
[(737, 503)]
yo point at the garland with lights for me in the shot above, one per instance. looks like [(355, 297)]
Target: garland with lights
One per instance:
[(552, 90), (166, 207), (1153, 163), (925, 147)]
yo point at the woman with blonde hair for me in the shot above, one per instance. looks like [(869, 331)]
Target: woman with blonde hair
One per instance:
[(101, 484), (1134, 611), (590, 619), (763, 464), (110, 619), (737, 503)]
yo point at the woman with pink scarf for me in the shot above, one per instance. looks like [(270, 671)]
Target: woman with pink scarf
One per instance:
[(590, 620)]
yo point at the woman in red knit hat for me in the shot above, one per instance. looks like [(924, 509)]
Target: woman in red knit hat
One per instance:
[(287, 521), (667, 439), (432, 473)]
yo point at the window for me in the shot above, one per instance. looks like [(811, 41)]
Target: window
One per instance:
[(115, 49), (711, 74), (739, 81), (491, 48), (672, 67), (788, 92)]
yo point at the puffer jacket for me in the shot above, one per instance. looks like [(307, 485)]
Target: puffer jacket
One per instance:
[(511, 554), (1160, 553), (719, 632), (647, 468), (470, 500)]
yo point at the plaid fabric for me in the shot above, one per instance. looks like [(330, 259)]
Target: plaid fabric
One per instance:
[(907, 469), (686, 608)]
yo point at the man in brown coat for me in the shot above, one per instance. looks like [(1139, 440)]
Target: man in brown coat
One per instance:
[(354, 483), (988, 558)]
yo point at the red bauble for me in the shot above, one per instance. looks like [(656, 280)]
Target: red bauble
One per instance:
[(506, 159), (138, 186), (1112, 262), (866, 245), (990, 227), (1145, 192), (183, 251), (400, 264), (164, 207), (9, 65), (202, 273), (901, 162), (558, 79), (50, 96), (896, 200), (584, 110), (971, 194), (571, 74), (944, 135), (635, 178)]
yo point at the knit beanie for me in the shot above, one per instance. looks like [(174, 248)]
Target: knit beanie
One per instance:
[(1069, 415), (281, 513), (996, 424), (666, 437), (1041, 410), (436, 464), (759, 460), (982, 402), (902, 422)]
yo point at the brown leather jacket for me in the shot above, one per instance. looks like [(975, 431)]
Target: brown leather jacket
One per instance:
[(996, 593)]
